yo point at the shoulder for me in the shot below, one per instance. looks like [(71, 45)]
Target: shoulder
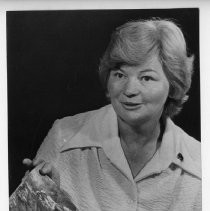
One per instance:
[(190, 149), (70, 125), (63, 129), (192, 145)]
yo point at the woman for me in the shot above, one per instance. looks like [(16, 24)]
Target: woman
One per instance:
[(129, 155)]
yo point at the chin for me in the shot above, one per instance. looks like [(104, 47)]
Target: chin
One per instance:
[(134, 118)]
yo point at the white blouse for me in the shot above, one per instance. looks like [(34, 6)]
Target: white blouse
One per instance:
[(86, 150)]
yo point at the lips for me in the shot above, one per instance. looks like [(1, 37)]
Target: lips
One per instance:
[(131, 105)]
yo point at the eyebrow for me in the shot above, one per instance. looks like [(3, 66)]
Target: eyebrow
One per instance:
[(148, 70), (142, 71)]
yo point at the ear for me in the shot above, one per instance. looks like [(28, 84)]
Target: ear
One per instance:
[(170, 96), (107, 95), (171, 93)]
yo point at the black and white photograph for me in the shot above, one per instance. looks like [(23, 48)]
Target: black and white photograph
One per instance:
[(104, 109)]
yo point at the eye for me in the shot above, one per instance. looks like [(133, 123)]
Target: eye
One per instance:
[(146, 78), (118, 75)]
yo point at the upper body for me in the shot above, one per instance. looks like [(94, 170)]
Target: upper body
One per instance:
[(130, 155), (93, 169)]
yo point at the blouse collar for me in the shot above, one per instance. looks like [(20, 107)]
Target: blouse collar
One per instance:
[(101, 130)]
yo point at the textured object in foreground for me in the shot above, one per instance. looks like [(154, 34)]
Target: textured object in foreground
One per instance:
[(39, 193)]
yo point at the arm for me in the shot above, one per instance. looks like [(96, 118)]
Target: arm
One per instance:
[(47, 154)]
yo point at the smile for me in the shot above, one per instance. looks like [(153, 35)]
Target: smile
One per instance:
[(131, 105)]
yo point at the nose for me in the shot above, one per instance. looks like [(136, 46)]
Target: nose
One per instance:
[(132, 88)]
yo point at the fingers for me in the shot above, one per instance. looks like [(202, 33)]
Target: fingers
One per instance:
[(36, 162), (49, 170), (27, 162), (46, 169), (32, 163)]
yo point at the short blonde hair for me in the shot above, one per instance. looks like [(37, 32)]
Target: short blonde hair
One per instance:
[(134, 42)]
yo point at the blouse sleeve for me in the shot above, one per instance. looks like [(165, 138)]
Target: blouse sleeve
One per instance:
[(61, 129), (48, 151)]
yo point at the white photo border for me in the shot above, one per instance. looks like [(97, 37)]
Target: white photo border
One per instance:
[(204, 8)]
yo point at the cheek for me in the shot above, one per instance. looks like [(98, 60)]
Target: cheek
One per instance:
[(158, 94), (114, 89)]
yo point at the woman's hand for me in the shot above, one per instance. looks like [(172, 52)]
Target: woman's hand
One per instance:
[(32, 163), (46, 168)]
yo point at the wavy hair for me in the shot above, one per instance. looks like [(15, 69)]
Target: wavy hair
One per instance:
[(134, 42)]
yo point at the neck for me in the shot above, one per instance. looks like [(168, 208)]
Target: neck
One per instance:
[(139, 143), (139, 134)]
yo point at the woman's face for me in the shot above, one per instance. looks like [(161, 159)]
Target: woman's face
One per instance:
[(138, 93)]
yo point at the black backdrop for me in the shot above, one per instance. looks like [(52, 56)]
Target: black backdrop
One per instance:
[(53, 58)]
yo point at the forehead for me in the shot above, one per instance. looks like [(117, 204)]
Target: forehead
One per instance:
[(152, 63)]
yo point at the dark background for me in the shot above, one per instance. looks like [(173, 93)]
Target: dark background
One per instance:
[(53, 58)]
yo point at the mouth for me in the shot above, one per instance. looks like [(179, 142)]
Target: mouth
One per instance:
[(131, 105)]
